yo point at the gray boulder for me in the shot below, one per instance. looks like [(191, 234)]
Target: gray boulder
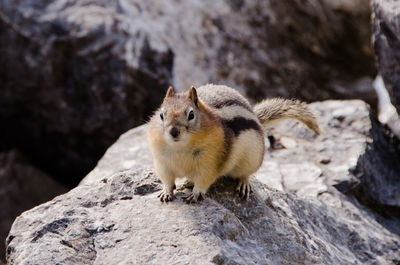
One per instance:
[(120, 220), (22, 186), (386, 42), (79, 73), (294, 216)]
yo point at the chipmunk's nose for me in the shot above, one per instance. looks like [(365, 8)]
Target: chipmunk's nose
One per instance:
[(174, 132)]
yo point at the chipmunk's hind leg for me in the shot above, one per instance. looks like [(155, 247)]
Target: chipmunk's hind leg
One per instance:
[(244, 188), (247, 156), (188, 184), (244, 169)]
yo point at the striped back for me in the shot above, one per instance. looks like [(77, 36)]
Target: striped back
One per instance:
[(234, 110)]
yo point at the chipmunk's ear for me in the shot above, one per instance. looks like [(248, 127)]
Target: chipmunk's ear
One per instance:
[(192, 94), (170, 92)]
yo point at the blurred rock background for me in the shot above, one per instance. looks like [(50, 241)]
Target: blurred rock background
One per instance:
[(75, 75)]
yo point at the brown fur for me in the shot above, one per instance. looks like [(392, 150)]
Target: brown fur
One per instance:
[(211, 132)]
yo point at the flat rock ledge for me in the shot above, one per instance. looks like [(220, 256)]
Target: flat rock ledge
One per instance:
[(304, 208)]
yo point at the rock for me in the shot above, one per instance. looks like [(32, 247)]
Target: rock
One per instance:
[(78, 75), (378, 171), (297, 177), (22, 187), (119, 220), (328, 158), (123, 155), (386, 42), (363, 162), (288, 142), (387, 113), (314, 50), (89, 70)]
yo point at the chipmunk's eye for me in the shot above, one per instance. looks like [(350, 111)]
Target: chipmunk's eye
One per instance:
[(162, 116), (191, 115)]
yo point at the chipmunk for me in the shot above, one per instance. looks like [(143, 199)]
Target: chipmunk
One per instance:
[(213, 131)]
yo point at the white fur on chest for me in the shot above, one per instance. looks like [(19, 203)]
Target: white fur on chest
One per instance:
[(178, 161)]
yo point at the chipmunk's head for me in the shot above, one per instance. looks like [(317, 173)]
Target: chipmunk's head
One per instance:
[(180, 115)]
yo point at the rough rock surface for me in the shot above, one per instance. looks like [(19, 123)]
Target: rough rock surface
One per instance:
[(386, 42), (89, 70), (120, 220), (115, 217), (22, 187), (354, 154)]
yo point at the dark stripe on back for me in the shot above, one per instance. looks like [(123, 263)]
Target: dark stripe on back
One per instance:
[(230, 102), (239, 124), (228, 137)]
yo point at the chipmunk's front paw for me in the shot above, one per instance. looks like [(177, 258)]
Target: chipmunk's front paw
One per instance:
[(166, 196), (243, 189), (195, 197)]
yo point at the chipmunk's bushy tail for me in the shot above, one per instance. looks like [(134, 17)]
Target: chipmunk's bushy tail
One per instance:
[(278, 108)]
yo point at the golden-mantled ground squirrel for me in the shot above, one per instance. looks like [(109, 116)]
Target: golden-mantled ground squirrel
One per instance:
[(213, 131)]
